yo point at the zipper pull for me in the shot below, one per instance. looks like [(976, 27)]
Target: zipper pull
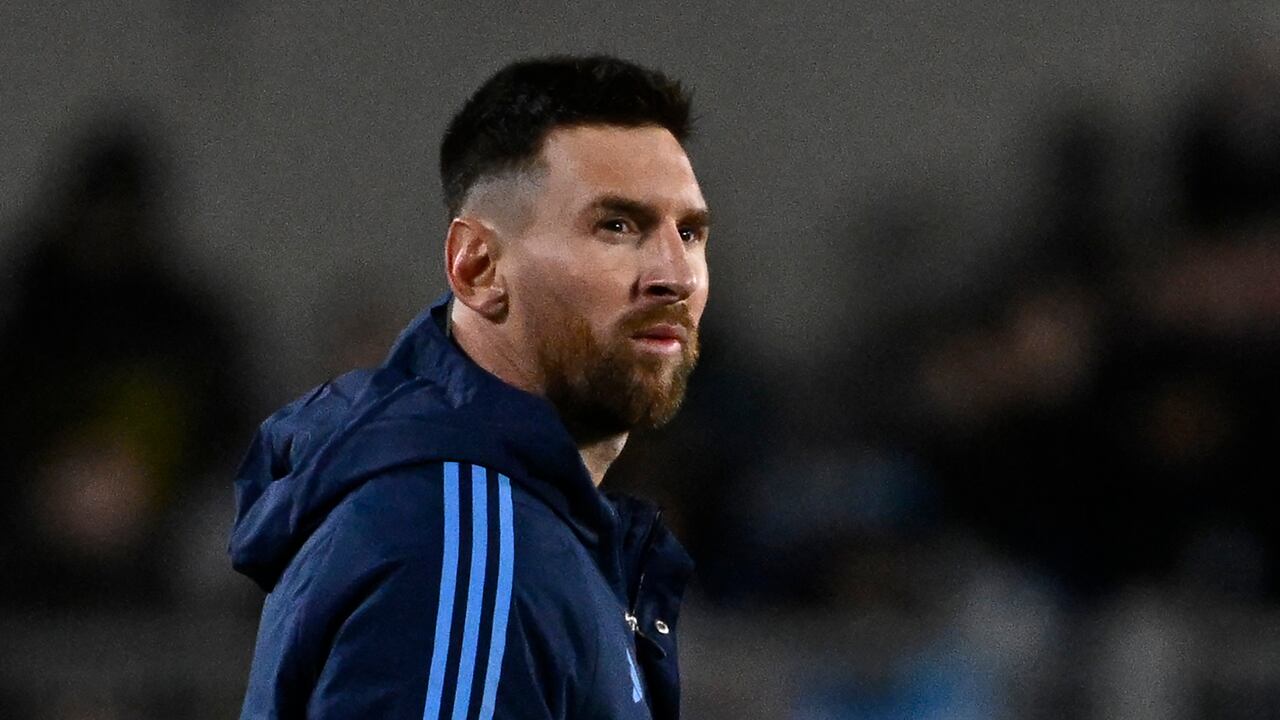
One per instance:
[(632, 622)]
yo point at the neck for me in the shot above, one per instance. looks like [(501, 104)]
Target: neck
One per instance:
[(598, 450), (491, 349), (494, 353)]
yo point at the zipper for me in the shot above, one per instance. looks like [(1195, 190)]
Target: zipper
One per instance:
[(645, 545)]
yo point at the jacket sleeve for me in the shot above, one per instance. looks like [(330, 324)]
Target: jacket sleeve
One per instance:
[(401, 606)]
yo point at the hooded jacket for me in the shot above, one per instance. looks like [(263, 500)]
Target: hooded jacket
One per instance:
[(432, 546)]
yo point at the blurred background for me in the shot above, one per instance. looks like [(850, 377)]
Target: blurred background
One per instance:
[(988, 418)]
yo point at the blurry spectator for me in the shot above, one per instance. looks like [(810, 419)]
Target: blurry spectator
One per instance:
[(1230, 161), (1100, 417), (120, 385)]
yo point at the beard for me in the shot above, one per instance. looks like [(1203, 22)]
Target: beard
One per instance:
[(607, 387)]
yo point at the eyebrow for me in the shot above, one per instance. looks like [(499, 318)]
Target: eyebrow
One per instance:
[(648, 214)]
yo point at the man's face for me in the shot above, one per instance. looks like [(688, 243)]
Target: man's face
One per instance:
[(607, 276)]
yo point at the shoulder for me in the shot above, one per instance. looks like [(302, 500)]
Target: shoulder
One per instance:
[(454, 512), (387, 525), (446, 574), (476, 529)]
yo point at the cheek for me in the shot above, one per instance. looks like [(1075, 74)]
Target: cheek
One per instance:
[(558, 279), (589, 289), (558, 302), (541, 284)]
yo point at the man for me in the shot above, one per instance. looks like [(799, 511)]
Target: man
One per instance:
[(431, 532)]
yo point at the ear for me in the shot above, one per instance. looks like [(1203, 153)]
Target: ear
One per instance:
[(471, 264)]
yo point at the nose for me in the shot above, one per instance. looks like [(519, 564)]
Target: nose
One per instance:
[(669, 274)]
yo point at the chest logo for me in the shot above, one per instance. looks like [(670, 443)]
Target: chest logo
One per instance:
[(636, 693)]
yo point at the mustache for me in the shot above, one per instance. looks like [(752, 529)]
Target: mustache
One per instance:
[(673, 314)]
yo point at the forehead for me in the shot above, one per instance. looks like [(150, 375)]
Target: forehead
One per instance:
[(645, 164)]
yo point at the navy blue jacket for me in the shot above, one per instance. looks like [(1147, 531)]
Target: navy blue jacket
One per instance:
[(433, 547)]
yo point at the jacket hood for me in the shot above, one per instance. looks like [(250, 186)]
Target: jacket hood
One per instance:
[(428, 402)]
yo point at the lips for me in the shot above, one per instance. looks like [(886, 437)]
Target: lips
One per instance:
[(664, 332)]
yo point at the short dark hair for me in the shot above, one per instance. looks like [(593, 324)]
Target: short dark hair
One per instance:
[(503, 125)]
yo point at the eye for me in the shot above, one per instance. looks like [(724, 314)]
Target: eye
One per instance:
[(619, 226), (692, 234)]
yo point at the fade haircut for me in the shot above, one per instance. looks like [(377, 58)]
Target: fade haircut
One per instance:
[(502, 127)]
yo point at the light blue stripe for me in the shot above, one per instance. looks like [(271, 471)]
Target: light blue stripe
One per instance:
[(502, 603), (637, 694), (448, 583), (475, 589)]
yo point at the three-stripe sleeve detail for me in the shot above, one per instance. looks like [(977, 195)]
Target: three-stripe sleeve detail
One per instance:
[(462, 647)]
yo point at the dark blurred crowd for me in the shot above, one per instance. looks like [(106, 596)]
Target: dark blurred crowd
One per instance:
[(969, 511)]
